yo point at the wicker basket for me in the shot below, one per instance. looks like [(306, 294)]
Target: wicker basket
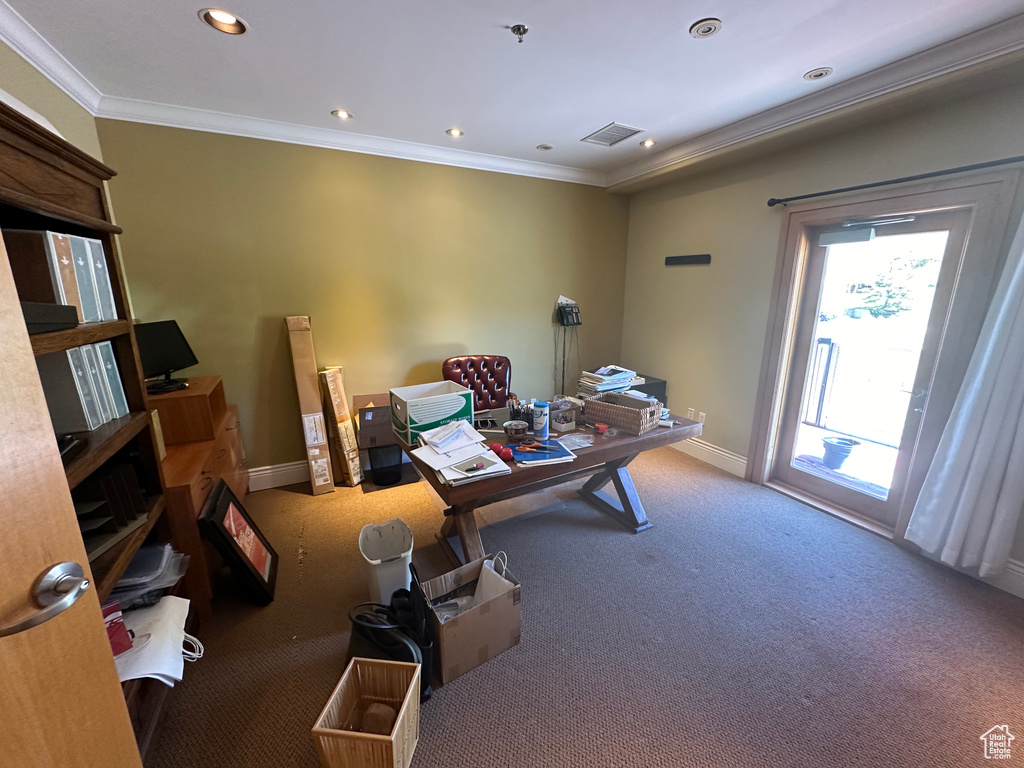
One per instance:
[(636, 421), (394, 683)]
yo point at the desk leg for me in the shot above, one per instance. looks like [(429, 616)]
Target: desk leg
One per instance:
[(461, 520), (626, 508)]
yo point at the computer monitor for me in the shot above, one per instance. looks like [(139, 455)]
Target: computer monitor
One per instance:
[(162, 351)]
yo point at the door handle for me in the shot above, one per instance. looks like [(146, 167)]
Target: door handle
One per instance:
[(57, 588)]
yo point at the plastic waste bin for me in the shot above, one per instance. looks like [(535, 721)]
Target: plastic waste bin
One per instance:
[(386, 464), (387, 549)]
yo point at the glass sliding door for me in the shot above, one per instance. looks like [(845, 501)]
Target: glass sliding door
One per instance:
[(872, 312)]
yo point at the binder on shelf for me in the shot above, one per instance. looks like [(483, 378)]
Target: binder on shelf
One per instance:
[(102, 281), (104, 400), (43, 267), (86, 284), (68, 391), (108, 363)]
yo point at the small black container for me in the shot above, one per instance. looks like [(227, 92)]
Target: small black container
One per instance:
[(386, 463)]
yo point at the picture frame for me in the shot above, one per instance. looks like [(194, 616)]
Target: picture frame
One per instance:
[(241, 543)]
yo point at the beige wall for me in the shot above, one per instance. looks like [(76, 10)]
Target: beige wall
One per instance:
[(399, 264), (703, 328), (24, 82)]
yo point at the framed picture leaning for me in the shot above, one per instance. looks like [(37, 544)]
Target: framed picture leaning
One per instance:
[(243, 546)]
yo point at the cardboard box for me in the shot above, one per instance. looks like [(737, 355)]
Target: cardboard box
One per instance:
[(422, 407), (375, 427), (370, 401), (341, 431), (481, 633), (314, 428)]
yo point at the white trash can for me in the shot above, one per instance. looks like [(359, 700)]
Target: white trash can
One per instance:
[(387, 549)]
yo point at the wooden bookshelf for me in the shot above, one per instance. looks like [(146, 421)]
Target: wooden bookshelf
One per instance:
[(103, 443), (46, 184), (108, 567), (89, 333)]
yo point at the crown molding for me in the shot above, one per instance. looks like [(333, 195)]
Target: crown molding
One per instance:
[(975, 48), (152, 113), (37, 51)]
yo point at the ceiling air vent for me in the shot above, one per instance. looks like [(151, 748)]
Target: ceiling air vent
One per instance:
[(611, 134)]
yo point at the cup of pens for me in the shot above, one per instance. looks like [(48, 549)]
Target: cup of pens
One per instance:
[(519, 412)]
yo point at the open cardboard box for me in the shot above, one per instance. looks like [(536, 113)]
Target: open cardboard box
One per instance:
[(479, 634)]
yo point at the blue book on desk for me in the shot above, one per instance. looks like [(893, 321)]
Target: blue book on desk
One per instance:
[(561, 454)]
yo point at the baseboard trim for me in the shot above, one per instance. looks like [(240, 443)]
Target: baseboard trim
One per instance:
[(1011, 579), (731, 462), (277, 475)]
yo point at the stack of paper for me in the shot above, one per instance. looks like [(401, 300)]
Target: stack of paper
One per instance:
[(458, 454), (608, 378), (153, 569)]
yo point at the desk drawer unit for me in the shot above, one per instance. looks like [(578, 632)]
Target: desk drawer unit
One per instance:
[(192, 471)]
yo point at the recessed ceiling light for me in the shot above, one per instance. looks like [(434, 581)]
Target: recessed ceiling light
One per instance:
[(544, 147), (341, 114), (223, 21), (455, 132), (818, 74), (706, 28), (648, 143)]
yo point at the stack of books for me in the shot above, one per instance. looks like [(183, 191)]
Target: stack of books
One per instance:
[(458, 454), (608, 378), (82, 387)]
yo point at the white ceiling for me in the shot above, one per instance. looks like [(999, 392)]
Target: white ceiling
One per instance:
[(410, 70)]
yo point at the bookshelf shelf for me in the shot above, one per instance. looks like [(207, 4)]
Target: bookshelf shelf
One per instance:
[(89, 333), (108, 567), (103, 443)]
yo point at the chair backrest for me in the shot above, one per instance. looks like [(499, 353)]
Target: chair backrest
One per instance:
[(489, 376)]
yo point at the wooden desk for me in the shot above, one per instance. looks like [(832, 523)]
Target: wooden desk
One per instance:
[(606, 460)]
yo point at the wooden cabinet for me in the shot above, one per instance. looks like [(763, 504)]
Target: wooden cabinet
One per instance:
[(193, 469)]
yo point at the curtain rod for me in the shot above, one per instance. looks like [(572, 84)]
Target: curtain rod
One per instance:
[(977, 166)]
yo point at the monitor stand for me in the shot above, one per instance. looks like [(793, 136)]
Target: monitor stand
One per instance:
[(165, 385)]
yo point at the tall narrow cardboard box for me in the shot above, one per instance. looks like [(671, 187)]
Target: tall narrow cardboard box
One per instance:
[(340, 430), (300, 335)]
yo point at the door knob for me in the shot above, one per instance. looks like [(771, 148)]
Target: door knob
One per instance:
[(57, 588)]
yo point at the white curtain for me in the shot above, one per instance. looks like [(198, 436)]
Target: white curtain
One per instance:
[(972, 497)]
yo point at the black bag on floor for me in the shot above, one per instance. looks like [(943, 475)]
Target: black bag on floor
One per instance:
[(400, 631)]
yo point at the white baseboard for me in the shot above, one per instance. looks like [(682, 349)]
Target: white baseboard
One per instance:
[(1010, 580), (276, 475), (731, 462)]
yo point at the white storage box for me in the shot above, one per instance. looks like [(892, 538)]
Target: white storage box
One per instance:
[(422, 407)]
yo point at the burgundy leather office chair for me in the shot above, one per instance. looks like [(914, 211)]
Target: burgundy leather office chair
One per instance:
[(489, 376)]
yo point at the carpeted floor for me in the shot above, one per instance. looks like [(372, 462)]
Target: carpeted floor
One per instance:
[(744, 629)]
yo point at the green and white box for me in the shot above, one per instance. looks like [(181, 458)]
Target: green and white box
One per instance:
[(422, 407)]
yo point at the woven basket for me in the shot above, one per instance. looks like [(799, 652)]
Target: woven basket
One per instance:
[(636, 421), (390, 682)]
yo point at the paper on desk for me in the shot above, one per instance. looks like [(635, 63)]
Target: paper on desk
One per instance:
[(160, 657), (452, 437), (437, 460)]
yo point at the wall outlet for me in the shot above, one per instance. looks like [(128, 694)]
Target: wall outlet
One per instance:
[(689, 413), (701, 416)]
